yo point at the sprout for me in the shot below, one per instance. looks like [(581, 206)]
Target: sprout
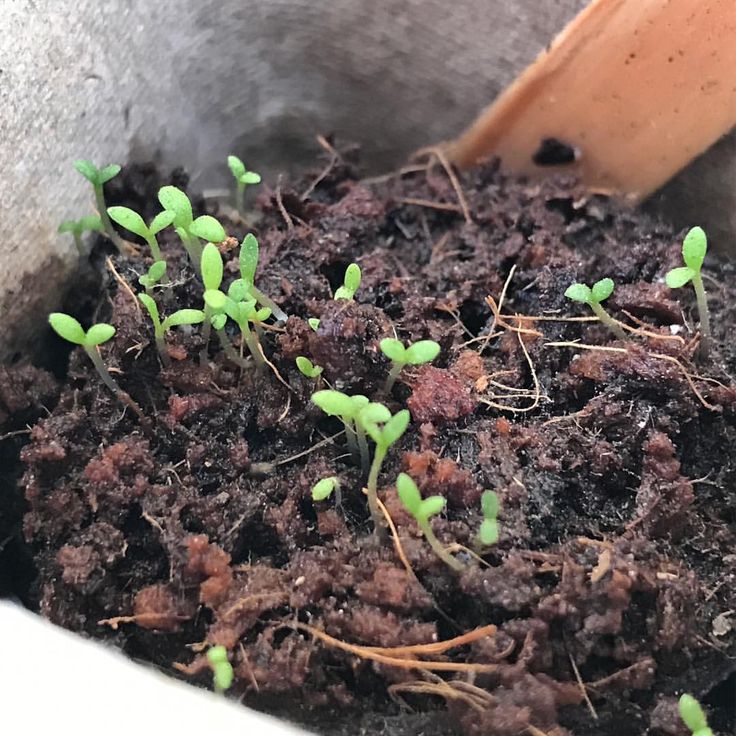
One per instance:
[(187, 228), (694, 248), (488, 532), (307, 368), (385, 430), (97, 178), (593, 297), (130, 220), (350, 284), (693, 716), (423, 510), (243, 313), (243, 178), (424, 351), (153, 276), (346, 408), (324, 488), (181, 317), (313, 322), (70, 330), (91, 223), (248, 259), (222, 670)]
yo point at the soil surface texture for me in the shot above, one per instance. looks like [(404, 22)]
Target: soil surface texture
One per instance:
[(611, 588)]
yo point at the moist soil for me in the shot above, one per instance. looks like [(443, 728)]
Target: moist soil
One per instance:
[(610, 590)]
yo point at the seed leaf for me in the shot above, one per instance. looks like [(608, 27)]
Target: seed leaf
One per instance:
[(424, 351), (489, 504), (602, 289), (262, 314), (393, 349), (216, 300), (218, 321), (69, 226), (108, 172), (237, 167), (99, 333), (678, 277), (313, 322), (432, 506), (91, 222), (307, 368), (694, 248), (184, 317), (372, 413), (151, 308), (692, 714), (250, 177), (211, 267), (396, 426), (157, 270), (323, 489), (409, 494), (67, 327), (579, 293), (488, 532), (333, 403), (207, 228), (87, 169), (174, 200), (352, 277), (128, 219), (162, 220), (249, 258)]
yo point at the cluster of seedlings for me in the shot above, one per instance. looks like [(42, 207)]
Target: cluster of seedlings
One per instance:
[(365, 419)]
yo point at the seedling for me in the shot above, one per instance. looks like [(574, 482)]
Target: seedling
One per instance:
[(593, 297), (245, 313), (130, 220), (181, 317), (385, 430), (154, 274), (91, 223), (424, 351), (243, 178), (324, 488), (248, 260), (187, 228), (350, 284), (346, 408), (423, 510), (693, 716), (97, 178), (313, 322), (222, 670), (694, 248), (488, 532), (307, 368)]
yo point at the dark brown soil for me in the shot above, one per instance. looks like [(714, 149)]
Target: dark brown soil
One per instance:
[(615, 470)]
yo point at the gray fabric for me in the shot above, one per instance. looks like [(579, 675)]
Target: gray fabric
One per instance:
[(190, 82)]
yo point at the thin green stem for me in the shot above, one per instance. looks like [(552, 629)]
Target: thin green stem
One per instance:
[(363, 447), (161, 346), (607, 320), (378, 457), (194, 249), (266, 301), (392, 376), (227, 347), (702, 300), (106, 223), (78, 242), (153, 245), (109, 381), (239, 196), (206, 333), (437, 548), (254, 347), (350, 437)]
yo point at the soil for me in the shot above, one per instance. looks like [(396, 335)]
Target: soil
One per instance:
[(611, 589)]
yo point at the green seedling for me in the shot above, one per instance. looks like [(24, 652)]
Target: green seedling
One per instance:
[(160, 328), (131, 220), (70, 330), (424, 351), (91, 223), (243, 178), (313, 322), (97, 178), (385, 430), (350, 284), (694, 248), (222, 670), (423, 510), (245, 313), (593, 297), (154, 274), (488, 532), (307, 368), (324, 488), (187, 228), (248, 261), (346, 408), (693, 716)]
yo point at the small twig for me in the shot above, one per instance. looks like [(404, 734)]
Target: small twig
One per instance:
[(16, 433), (583, 691), (321, 443), (123, 283), (395, 536), (280, 204), (444, 206)]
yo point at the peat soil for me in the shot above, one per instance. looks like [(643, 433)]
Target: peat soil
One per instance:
[(611, 589)]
